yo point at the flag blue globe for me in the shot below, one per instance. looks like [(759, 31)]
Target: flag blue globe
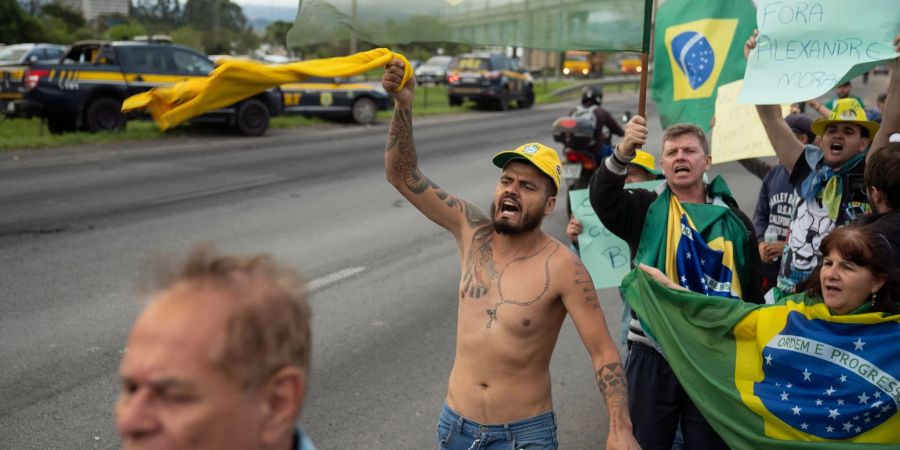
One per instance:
[(694, 56), (829, 379)]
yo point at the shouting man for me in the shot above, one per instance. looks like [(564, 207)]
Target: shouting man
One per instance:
[(516, 288)]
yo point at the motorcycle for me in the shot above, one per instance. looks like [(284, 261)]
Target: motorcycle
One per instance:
[(577, 136), (576, 133)]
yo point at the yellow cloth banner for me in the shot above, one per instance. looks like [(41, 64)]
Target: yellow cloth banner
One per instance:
[(236, 80)]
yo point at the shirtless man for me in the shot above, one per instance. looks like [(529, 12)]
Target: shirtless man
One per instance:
[(517, 285)]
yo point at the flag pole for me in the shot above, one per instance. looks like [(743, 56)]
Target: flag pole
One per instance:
[(646, 55)]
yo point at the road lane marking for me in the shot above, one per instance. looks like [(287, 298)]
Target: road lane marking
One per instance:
[(332, 278)]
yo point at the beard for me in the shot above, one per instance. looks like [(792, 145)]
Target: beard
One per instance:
[(527, 223)]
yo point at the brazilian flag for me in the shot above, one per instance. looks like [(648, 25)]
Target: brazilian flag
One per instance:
[(702, 247), (784, 376), (699, 46)]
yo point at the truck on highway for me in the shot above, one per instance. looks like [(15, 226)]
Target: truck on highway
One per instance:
[(85, 89)]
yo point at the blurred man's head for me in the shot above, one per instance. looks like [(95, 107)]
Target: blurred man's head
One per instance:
[(883, 178), (801, 127), (843, 90), (218, 359), (685, 155)]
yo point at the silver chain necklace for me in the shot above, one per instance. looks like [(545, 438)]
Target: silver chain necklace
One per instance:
[(492, 313)]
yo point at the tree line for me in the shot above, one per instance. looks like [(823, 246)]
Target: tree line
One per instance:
[(210, 26)]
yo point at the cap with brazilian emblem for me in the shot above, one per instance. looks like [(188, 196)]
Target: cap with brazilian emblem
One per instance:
[(544, 158)]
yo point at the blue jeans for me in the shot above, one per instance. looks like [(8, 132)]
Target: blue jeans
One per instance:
[(455, 432)]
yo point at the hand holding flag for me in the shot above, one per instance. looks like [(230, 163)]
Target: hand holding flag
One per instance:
[(392, 81), (635, 136)]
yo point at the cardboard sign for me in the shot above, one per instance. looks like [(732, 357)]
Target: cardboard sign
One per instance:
[(738, 133), (607, 257), (805, 48)]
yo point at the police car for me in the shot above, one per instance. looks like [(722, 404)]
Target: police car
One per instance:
[(85, 89), (334, 97), (489, 79)]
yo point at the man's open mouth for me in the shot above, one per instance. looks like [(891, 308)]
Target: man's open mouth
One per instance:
[(509, 208), (682, 169)]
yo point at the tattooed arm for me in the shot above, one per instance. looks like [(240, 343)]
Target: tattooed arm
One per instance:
[(401, 165), (581, 302)]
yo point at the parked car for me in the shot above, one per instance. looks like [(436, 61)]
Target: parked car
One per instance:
[(434, 70), (86, 88), (333, 97), (489, 79), (31, 53)]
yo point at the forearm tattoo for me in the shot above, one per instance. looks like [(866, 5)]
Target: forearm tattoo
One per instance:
[(479, 265), (585, 286), (401, 138), (612, 384)]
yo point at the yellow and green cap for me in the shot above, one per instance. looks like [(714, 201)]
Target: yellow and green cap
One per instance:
[(544, 158), (645, 161), (846, 110)]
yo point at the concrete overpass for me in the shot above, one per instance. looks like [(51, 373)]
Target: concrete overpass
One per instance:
[(538, 20)]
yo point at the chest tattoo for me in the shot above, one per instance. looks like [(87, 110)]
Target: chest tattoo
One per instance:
[(492, 313), (479, 263)]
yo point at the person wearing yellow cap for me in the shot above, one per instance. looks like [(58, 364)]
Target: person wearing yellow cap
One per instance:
[(694, 232), (517, 286), (641, 168), (828, 179)]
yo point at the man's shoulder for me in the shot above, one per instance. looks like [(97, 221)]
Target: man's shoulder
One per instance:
[(562, 257), (560, 252)]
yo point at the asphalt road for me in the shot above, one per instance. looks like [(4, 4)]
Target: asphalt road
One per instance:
[(80, 226)]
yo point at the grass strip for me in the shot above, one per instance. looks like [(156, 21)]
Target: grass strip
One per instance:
[(23, 134)]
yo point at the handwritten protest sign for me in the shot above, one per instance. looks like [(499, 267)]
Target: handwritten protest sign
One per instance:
[(738, 133), (807, 47), (606, 256)]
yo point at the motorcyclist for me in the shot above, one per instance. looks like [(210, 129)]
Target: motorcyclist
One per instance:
[(591, 99)]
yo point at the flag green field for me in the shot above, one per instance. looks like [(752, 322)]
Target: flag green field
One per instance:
[(700, 246), (778, 377), (699, 45)]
